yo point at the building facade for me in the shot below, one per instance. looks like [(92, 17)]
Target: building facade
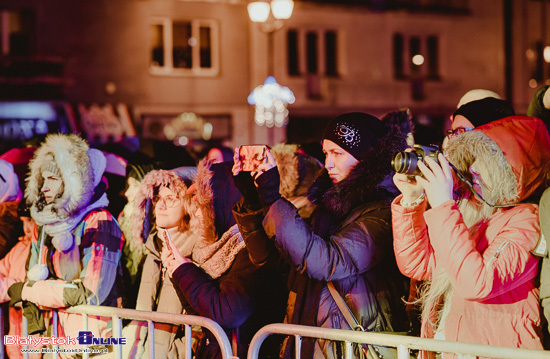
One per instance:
[(169, 60)]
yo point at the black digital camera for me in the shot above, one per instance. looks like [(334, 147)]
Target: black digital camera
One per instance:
[(407, 162)]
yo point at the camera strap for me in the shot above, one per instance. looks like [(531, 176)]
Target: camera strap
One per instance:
[(471, 186)]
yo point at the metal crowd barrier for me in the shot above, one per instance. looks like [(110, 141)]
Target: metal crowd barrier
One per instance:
[(155, 317), (117, 314), (403, 343)]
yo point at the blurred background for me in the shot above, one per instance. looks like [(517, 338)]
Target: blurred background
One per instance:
[(140, 73)]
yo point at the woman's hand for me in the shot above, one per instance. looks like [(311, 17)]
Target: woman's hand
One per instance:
[(265, 166), (437, 181), (172, 258), (410, 188)]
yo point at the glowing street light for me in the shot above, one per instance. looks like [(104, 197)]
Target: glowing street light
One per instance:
[(270, 99)]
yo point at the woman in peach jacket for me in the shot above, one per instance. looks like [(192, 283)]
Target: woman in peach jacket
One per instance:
[(476, 259)]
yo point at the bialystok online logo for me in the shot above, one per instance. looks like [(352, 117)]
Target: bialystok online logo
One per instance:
[(84, 338)]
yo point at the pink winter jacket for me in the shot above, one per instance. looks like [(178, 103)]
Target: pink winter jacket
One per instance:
[(495, 300), (12, 269), (492, 272)]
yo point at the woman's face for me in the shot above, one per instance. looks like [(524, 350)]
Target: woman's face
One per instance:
[(52, 187), (338, 162), (480, 178), (169, 210)]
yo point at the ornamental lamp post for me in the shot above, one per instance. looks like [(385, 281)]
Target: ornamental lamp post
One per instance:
[(270, 98)]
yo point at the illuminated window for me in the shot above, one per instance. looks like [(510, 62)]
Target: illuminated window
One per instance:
[(312, 52), (16, 32), (184, 47), (415, 57)]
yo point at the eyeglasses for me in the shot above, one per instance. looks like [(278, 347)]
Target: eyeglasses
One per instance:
[(169, 201), (457, 131)]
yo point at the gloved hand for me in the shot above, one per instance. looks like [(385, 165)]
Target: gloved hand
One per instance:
[(268, 186), (14, 291), (245, 184), (35, 318)]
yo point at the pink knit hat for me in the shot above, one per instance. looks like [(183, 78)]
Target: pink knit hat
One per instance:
[(9, 183)]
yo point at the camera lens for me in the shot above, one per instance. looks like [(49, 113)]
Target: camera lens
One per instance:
[(405, 162)]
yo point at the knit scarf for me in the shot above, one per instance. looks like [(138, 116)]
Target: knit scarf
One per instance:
[(216, 258), (61, 231)]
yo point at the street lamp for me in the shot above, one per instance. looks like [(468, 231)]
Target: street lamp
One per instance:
[(270, 99)]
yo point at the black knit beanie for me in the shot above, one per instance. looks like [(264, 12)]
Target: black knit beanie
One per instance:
[(355, 132), (485, 110)]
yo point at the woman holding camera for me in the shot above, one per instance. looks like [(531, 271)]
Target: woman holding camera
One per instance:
[(347, 241), (474, 244)]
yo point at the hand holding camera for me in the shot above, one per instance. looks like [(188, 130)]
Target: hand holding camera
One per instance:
[(255, 159), (413, 175)]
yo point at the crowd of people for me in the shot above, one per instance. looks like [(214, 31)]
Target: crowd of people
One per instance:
[(448, 248)]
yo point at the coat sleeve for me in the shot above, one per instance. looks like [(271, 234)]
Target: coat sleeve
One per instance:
[(100, 251), (505, 263), (357, 247), (536, 107), (262, 250), (228, 300), (15, 258), (544, 220), (411, 244)]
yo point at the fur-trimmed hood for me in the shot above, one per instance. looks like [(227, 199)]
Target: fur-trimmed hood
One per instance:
[(368, 181), (143, 219), (297, 171), (517, 151), (81, 171), (216, 194)]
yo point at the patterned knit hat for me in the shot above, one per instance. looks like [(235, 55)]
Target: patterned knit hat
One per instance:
[(355, 132), (50, 165)]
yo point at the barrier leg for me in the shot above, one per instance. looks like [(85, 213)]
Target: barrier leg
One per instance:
[(188, 342), (151, 338), (117, 332), (297, 346), (403, 352)]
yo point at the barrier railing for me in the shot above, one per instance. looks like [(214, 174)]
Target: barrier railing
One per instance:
[(117, 314), (401, 342), (155, 317)]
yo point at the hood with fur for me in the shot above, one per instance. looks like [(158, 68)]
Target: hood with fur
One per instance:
[(297, 171), (143, 218), (517, 150), (81, 171), (216, 194)]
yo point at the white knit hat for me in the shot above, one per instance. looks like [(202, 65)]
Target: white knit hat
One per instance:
[(476, 94)]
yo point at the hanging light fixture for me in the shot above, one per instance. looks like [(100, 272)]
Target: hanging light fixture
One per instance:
[(271, 100)]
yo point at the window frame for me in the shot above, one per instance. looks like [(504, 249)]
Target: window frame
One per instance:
[(168, 68)]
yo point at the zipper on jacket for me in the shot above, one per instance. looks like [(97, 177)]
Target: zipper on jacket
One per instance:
[(497, 253)]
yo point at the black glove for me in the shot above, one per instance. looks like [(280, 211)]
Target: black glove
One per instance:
[(245, 184), (14, 291), (268, 186), (35, 318)]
